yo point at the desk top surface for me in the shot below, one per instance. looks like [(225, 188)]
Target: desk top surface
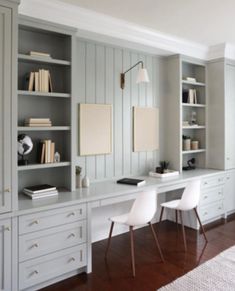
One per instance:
[(107, 189)]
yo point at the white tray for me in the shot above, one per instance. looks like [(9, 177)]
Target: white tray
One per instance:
[(170, 173)]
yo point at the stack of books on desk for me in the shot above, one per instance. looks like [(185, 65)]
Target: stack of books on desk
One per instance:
[(38, 122), (40, 191)]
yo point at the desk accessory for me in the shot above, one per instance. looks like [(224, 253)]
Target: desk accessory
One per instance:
[(78, 177), (191, 165), (169, 173), (186, 143), (131, 181), (85, 182), (40, 191)]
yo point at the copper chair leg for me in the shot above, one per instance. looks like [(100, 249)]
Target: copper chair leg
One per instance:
[(156, 241), (109, 240), (162, 210), (132, 251), (199, 220), (176, 219), (183, 230)]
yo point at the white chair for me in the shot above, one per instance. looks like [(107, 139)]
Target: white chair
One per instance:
[(142, 212), (188, 201)]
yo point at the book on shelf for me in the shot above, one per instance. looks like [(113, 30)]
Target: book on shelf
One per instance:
[(46, 152), (131, 181), (37, 122), (39, 54), (42, 188), (39, 81), (46, 195)]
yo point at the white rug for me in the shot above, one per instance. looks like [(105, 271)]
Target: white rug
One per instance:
[(217, 274)]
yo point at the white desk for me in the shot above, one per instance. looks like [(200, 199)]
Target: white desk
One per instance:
[(109, 192)]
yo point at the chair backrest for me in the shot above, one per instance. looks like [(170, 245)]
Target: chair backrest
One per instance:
[(191, 196), (143, 208)]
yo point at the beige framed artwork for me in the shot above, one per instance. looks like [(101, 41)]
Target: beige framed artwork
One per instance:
[(146, 129), (95, 129)]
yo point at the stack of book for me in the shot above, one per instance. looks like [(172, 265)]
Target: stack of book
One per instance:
[(38, 122), (40, 191), (46, 152), (39, 81), (39, 54)]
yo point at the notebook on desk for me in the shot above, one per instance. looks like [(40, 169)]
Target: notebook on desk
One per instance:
[(131, 181)]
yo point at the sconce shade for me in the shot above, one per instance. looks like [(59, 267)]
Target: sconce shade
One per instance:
[(142, 76)]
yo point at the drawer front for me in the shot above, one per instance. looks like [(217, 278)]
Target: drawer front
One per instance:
[(47, 241), (212, 181), (211, 195), (211, 211), (46, 219), (48, 267)]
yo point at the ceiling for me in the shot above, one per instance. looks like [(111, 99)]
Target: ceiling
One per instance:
[(208, 22)]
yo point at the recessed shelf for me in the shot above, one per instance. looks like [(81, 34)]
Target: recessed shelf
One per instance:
[(193, 105), (44, 60), (193, 83), (43, 166), (193, 151), (42, 128), (43, 94), (194, 127)]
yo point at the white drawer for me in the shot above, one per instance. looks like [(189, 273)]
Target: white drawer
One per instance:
[(45, 268), (43, 242), (211, 211), (213, 181), (46, 219), (211, 195)]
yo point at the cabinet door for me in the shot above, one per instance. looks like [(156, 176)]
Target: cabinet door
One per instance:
[(5, 109), (229, 193), (5, 255), (229, 117)]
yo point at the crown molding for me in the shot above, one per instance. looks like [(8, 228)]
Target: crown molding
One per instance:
[(107, 29)]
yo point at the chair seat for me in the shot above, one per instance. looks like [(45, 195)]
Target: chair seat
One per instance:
[(120, 218), (171, 204)]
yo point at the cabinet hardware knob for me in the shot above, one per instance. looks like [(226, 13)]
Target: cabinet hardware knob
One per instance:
[(35, 272), (35, 222), (72, 235), (205, 197), (71, 214), (205, 213), (35, 246), (80, 211), (8, 190), (205, 183), (228, 178), (7, 228), (71, 259)]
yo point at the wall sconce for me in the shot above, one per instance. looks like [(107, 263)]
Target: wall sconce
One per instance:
[(141, 77)]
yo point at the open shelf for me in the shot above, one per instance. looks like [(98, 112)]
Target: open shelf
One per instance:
[(42, 128), (193, 105), (194, 127), (193, 83), (193, 151), (43, 166), (43, 94), (43, 60)]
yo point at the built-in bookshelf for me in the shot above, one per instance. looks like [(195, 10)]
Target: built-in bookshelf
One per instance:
[(55, 104), (193, 111)]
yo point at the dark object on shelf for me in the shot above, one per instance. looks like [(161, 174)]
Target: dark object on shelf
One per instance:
[(185, 96), (25, 146), (191, 165), (130, 181)]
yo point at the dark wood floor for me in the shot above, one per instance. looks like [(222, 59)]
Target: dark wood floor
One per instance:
[(151, 273)]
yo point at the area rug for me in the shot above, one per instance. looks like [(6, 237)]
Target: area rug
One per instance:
[(217, 274)]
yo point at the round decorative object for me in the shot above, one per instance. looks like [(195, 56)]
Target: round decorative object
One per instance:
[(25, 146)]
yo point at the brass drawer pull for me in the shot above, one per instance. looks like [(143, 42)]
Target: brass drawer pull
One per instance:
[(35, 245), (8, 190), (35, 272), (81, 257), (80, 211), (7, 228), (71, 214), (71, 235), (35, 222), (80, 231), (72, 260)]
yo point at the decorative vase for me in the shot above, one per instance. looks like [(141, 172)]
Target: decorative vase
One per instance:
[(195, 145), (187, 144), (85, 182), (78, 181)]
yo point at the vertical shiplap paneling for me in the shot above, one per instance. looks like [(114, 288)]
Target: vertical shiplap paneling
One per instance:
[(109, 99), (100, 98), (118, 114), (99, 69), (90, 98), (142, 103), (149, 103), (126, 132), (80, 93), (134, 102)]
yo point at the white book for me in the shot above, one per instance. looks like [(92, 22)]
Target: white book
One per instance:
[(38, 196), (36, 84)]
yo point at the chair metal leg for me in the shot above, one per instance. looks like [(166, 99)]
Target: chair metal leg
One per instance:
[(156, 241), (109, 240), (199, 220), (162, 210), (176, 217), (183, 230), (132, 251)]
